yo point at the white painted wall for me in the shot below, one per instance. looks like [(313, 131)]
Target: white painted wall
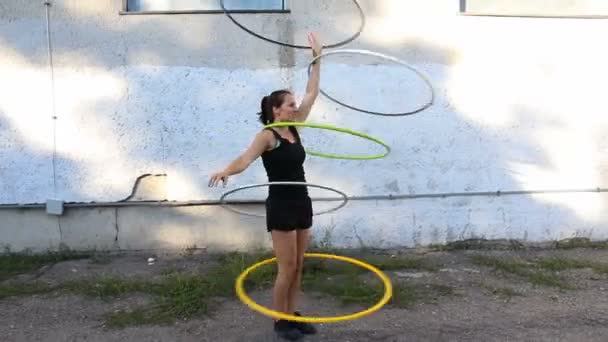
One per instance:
[(520, 106)]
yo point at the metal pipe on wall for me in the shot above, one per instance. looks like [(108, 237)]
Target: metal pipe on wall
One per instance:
[(47, 5), (388, 197)]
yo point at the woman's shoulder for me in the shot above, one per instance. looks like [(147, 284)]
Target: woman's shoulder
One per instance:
[(270, 137), (268, 132)]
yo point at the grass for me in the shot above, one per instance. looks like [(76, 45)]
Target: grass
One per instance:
[(105, 288), (141, 316), (12, 264), (177, 295), (529, 271), (344, 281), (348, 288), (484, 244), (24, 289), (580, 242), (541, 271), (181, 296), (478, 244), (561, 264), (504, 293)]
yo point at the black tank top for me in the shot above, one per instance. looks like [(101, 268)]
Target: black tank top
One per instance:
[(285, 163)]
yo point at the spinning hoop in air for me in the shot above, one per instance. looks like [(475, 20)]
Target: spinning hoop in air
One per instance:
[(225, 205), (343, 130), (295, 46), (386, 57)]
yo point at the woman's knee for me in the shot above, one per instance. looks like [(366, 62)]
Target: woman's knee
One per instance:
[(288, 268), (299, 265)]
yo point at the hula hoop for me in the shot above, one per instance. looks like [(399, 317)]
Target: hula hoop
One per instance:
[(343, 130), (388, 292), (295, 46), (390, 58), (225, 205)]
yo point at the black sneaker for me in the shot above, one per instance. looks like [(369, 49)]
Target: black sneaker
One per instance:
[(303, 327), (287, 331)]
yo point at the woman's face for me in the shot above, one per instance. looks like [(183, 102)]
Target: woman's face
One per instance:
[(287, 111)]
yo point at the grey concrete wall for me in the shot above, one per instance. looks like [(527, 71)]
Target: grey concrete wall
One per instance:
[(394, 224), (212, 228)]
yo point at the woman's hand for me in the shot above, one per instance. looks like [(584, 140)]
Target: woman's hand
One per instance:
[(315, 45), (217, 177)]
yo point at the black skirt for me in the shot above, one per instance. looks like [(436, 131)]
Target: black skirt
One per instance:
[(288, 214)]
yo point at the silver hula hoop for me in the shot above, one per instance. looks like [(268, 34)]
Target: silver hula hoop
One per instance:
[(390, 58), (225, 205), (295, 46)]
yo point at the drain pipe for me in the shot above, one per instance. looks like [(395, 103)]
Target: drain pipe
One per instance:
[(47, 4)]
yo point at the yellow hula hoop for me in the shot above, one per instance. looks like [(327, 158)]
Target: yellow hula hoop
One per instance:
[(388, 292)]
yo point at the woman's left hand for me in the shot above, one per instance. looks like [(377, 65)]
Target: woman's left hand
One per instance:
[(317, 47)]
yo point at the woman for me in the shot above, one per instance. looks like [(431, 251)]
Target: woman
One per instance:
[(288, 207)]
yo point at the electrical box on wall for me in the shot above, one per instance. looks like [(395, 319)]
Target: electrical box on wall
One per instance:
[(54, 207)]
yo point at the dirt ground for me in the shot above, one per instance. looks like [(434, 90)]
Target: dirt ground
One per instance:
[(484, 304)]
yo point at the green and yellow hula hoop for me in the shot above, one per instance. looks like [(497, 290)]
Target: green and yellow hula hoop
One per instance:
[(342, 130), (388, 292)]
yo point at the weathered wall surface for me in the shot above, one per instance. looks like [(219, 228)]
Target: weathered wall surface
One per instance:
[(519, 106)]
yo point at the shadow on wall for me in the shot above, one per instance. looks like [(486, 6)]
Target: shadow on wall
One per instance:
[(87, 34), (95, 34)]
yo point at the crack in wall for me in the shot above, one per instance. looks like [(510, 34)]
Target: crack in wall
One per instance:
[(60, 229), (137, 183), (116, 244)]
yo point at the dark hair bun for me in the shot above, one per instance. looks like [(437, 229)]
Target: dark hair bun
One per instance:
[(274, 100)]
